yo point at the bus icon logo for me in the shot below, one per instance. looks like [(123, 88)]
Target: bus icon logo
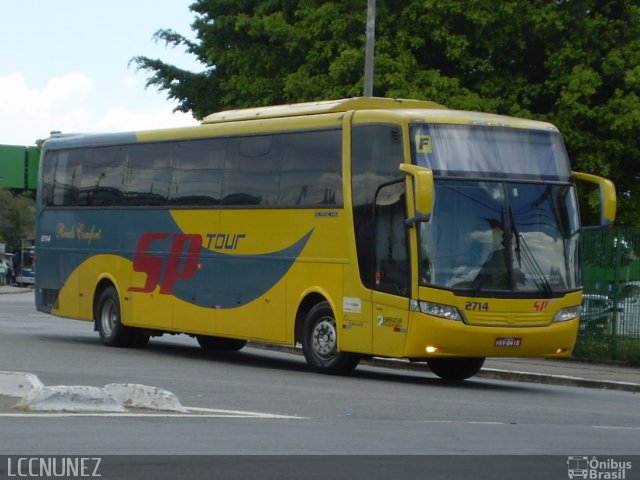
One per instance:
[(578, 467)]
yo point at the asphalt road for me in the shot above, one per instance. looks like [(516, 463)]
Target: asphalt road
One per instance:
[(257, 402)]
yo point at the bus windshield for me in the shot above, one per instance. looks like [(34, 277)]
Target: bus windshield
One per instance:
[(486, 237), (490, 152), (505, 218)]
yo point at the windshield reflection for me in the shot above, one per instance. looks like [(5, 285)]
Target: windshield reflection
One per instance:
[(498, 236)]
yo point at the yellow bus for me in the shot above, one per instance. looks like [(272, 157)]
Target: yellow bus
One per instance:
[(359, 227)]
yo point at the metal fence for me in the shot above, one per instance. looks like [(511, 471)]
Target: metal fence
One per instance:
[(610, 324)]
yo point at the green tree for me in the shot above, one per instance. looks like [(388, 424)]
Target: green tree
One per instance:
[(575, 63), (17, 219)]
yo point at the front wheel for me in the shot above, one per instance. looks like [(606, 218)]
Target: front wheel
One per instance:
[(455, 368), (108, 322), (320, 343)]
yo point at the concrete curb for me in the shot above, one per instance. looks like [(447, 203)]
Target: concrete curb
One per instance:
[(561, 380), (488, 373), (114, 397), (14, 290), (144, 396), (18, 384), (69, 398), (516, 376)]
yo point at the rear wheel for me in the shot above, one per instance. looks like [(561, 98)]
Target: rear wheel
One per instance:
[(320, 343), (108, 321), (220, 344), (455, 368)]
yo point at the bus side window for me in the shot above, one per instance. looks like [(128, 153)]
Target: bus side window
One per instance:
[(48, 171), (311, 169), (198, 173), (102, 177), (148, 171), (66, 178)]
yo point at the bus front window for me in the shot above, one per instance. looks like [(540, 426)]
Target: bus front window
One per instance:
[(505, 215), (498, 236)]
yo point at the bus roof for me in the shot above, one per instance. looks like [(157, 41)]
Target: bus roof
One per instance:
[(315, 108), (420, 110), (410, 110)]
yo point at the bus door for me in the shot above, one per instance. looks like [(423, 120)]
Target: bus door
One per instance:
[(390, 295)]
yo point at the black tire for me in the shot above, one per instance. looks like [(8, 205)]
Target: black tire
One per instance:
[(109, 323), (220, 344), (455, 368), (320, 343)]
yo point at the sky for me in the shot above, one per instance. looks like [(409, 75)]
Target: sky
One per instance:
[(64, 66)]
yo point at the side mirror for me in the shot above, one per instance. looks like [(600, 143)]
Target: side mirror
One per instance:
[(607, 196), (423, 190)]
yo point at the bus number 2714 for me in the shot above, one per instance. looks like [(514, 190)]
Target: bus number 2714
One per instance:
[(481, 306)]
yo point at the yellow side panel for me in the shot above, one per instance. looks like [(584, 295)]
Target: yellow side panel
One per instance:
[(78, 291), (390, 324), (151, 310), (275, 314), (240, 240), (138, 309), (318, 268), (356, 314), (192, 318), (243, 322)]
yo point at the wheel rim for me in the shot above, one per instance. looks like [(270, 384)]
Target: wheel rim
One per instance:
[(324, 338), (108, 317)]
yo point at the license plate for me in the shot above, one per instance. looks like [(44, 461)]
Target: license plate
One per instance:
[(508, 342)]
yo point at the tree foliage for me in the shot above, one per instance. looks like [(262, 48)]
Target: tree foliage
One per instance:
[(17, 219), (575, 63)]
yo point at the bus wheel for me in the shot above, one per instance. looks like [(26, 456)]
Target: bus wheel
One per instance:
[(320, 343), (455, 368), (108, 320), (219, 344)]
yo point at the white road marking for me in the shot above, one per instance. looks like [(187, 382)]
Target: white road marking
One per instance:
[(616, 428), (240, 413), (466, 422), (193, 412), (471, 422)]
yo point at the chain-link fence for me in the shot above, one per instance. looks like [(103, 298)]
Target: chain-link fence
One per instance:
[(610, 324)]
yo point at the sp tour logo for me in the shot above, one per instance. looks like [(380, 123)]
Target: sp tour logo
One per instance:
[(183, 258), (596, 468)]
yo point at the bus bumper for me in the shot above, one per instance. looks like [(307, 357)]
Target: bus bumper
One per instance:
[(436, 337)]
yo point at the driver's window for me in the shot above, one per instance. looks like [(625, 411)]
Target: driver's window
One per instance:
[(391, 249)]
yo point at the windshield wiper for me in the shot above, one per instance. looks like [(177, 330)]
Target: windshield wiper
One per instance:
[(523, 251), (517, 236)]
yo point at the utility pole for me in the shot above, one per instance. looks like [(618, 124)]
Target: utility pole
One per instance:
[(368, 57)]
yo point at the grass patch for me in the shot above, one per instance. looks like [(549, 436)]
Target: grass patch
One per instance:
[(600, 347)]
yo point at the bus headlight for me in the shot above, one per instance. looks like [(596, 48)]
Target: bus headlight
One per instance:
[(567, 314), (437, 310)]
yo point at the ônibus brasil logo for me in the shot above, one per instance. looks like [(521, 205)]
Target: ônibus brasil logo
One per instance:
[(597, 469)]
